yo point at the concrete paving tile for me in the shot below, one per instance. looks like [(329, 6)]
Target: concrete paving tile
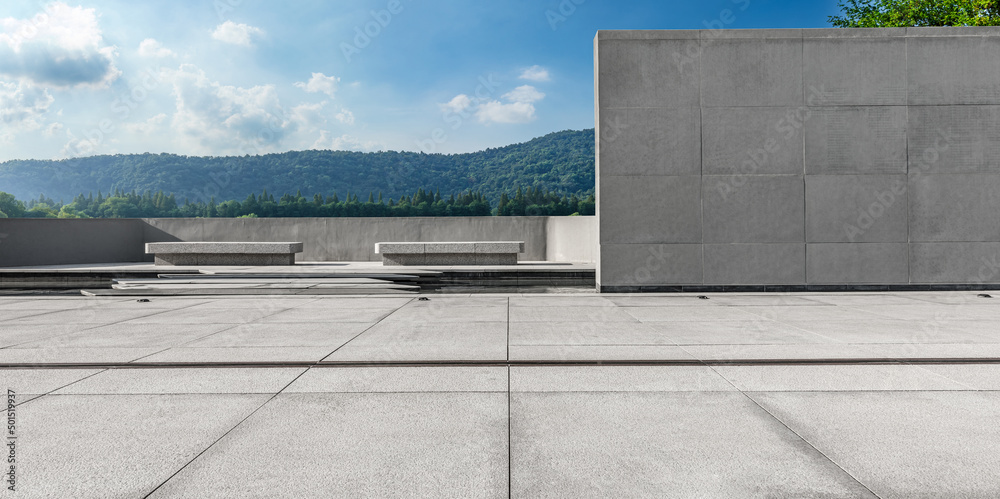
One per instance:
[(973, 376), (943, 313), (494, 352), (865, 299), (131, 335), (39, 381), (930, 350), (12, 314), (617, 379), (11, 335), (570, 314), (137, 381), (706, 444), (561, 301), (73, 355), (359, 445), (257, 302), (762, 300), (909, 445), (388, 334), (236, 315), (714, 313), (901, 331), (354, 302), (818, 313), (760, 331), (673, 300), (239, 354), (778, 352), (117, 446), (443, 314), (88, 315), (327, 316), (835, 378), (952, 297), (303, 334), (598, 352), (586, 333), (49, 303), (400, 380)]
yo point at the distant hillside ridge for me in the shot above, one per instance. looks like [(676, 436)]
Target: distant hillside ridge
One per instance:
[(560, 161)]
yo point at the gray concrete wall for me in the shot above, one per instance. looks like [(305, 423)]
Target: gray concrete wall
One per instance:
[(798, 157), (52, 242)]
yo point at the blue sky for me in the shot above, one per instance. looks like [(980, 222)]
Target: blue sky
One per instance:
[(234, 77)]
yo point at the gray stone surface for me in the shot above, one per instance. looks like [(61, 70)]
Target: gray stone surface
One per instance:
[(746, 141), (856, 139), (239, 248), (954, 208), (617, 379), (856, 208), (443, 445), (912, 445), (954, 139), (653, 264), (331, 335), (125, 446), (28, 383), (855, 70), (401, 380), (226, 259), (731, 264), (846, 263), (586, 333), (598, 353), (835, 378), (651, 141), (752, 72), (654, 444), (671, 209), (183, 381), (955, 263), (753, 209), (946, 70), (638, 74)]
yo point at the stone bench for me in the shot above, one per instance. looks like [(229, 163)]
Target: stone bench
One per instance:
[(467, 253), (203, 253)]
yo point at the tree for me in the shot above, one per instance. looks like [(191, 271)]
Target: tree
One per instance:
[(905, 13)]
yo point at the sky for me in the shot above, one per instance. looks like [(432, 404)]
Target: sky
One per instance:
[(236, 77)]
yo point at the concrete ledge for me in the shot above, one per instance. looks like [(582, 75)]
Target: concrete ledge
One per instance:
[(450, 253), (213, 253)]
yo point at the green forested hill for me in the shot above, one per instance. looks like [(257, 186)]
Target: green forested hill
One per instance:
[(561, 161)]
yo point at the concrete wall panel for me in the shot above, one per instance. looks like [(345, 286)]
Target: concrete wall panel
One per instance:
[(26, 241), (860, 139), (651, 210), (944, 70), (856, 208), (754, 209), (955, 263), (874, 263), (651, 141), (638, 265), (650, 73), (752, 72), (954, 139), (760, 264), (856, 71), (959, 208), (750, 140)]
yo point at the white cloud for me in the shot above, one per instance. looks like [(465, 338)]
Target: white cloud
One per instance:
[(520, 107), (23, 106), (346, 117), (320, 83), (53, 129), (535, 73), (345, 143), (212, 118), (60, 47), (237, 34), (457, 105), (149, 126), (152, 48)]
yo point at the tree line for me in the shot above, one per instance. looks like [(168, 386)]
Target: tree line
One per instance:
[(423, 203)]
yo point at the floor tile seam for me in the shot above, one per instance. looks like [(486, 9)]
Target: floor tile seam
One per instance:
[(52, 392), (226, 433), (369, 328), (942, 376), (510, 439), (800, 437)]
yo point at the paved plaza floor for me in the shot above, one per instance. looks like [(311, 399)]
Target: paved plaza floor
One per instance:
[(892, 395)]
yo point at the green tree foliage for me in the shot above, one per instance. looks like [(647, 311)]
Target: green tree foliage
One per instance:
[(561, 162), (11, 206), (904, 13)]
